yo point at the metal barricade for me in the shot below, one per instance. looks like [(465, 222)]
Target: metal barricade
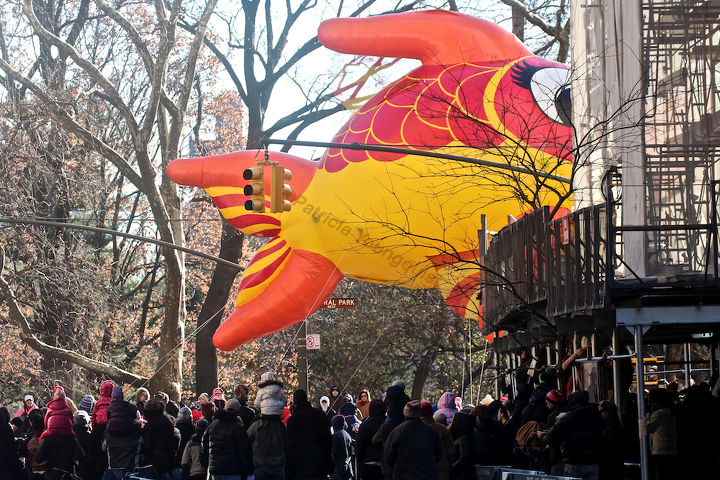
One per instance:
[(494, 472)]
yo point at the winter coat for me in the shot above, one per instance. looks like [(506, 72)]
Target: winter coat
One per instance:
[(381, 437), (121, 449), (31, 449), (187, 430), (227, 446), (364, 406), (270, 399), (662, 429), (446, 405), (611, 460), (308, 444), (341, 442), (161, 441), (349, 411), (86, 467), (192, 459), (9, 462), (247, 415), (59, 451), (366, 451), (122, 418), (448, 447), (268, 441), (99, 413), (58, 419), (329, 412), (412, 451), (579, 435), (463, 432)]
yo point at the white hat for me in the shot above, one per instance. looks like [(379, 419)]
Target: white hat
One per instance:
[(28, 397), (487, 400)]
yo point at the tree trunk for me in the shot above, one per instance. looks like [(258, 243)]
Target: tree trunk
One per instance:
[(421, 374), (518, 23), (213, 310)]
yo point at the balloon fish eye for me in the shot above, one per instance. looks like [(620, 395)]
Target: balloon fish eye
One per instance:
[(550, 88)]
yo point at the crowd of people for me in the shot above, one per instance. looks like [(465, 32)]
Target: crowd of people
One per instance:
[(387, 437)]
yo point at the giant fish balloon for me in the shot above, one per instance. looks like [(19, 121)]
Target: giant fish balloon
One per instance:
[(392, 217)]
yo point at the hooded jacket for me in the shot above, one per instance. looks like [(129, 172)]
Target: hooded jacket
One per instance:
[(366, 451), (446, 405), (308, 441), (161, 441), (227, 446), (58, 419), (270, 399), (267, 435), (412, 451), (99, 413), (326, 408), (578, 433), (341, 442), (122, 418)]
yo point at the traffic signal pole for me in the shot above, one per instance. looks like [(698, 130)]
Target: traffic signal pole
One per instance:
[(302, 358)]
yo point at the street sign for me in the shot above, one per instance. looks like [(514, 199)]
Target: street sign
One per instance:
[(312, 341), (339, 303)]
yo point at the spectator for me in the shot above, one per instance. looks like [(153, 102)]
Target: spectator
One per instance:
[(184, 424), (87, 404), (122, 432), (208, 411), (160, 439), (38, 427), (327, 410), (462, 430), (172, 409), (142, 396), (369, 456), (247, 414), (341, 450), (555, 401), (413, 449), (218, 398), (446, 441), (81, 427), (59, 446), (440, 419), (267, 435), (10, 466), (579, 436), (349, 411), (98, 422), (203, 398), (394, 398), (363, 405), (270, 399), (227, 447), (611, 463), (446, 406), (335, 400), (662, 429), (192, 455), (308, 441), (23, 414)]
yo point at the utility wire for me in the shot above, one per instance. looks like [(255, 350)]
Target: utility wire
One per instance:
[(31, 221)]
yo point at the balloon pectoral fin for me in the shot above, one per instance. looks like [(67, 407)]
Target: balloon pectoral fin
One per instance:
[(300, 285)]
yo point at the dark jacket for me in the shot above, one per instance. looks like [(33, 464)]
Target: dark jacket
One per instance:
[(187, 430), (448, 446), (611, 463), (412, 451), (267, 435), (308, 443), (161, 441), (227, 446), (341, 442), (121, 418), (366, 451), (86, 467), (59, 451), (9, 462), (121, 449), (463, 432), (381, 437), (579, 435)]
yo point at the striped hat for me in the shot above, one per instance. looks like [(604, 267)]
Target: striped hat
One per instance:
[(555, 397), (86, 404)]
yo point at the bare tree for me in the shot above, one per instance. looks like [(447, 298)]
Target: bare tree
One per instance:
[(153, 115)]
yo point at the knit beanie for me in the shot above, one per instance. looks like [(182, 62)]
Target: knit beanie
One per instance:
[(426, 410), (117, 393), (233, 405), (218, 394), (242, 392), (395, 401), (555, 397), (184, 415), (86, 404), (267, 377), (57, 389), (578, 399), (412, 409)]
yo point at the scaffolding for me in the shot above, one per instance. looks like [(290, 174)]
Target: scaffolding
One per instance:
[(681, 50)]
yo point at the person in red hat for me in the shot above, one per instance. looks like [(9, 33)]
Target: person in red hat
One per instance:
[(59, 446)]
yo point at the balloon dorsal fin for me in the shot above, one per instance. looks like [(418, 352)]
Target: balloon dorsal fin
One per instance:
[(431, 36)]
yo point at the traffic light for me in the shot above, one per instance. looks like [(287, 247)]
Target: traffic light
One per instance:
[(280, 190), (256, 189)]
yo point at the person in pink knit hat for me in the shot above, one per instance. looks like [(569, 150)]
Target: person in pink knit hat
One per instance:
[(218, 398)]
